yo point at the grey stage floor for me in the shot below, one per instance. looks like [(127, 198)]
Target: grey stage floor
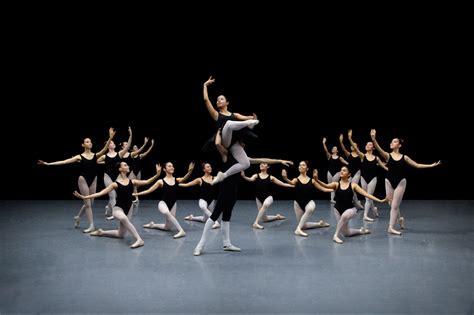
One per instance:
[(47, 266)]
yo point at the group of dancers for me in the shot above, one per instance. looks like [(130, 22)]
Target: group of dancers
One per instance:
[(218, 194)]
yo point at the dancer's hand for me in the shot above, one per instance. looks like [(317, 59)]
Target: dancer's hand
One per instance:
[(286, 163), (349, 134), (158, 169), (209, 81), (111, 132), (324, 140), (41, 162), (191, 167), (372, 134), (315, 174), (341, 137), (78, 195), (436, 164), (284, 174)]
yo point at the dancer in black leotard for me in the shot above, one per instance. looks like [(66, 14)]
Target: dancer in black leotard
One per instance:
[(304, 194), (368, 174), (167, 204), (395, 183), (87, 181), (344, 209), (226, 200), (208, 195), (229, 123), (355, 163), (137, 157), (110, 173), (335, 163), (263, 194), (124, 188)]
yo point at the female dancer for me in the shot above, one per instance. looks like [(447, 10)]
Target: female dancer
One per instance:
[(167, 204), (344, 210), (228, 122), (207, 200), (395, 183), (111, 173), (304, 204), (225, 203), (355, 163), (124, 188), (335, 163), (368, 174), (263, 196), (87, 181)]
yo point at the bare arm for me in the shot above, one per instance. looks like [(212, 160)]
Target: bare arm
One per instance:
[(321, 187), (343, 147), (381, 164), (343, 161), (185, 177), (159, 183), (359, 190), (106, 146), (103, 192), (278, 182), (196, 181), (74, 159), (354, 145), (135, 153), (249, 179), (383, 153), (242, 117), (285, 178), (418, 165), (149, 149), (210, 108), (331, 186), (150, 180), (270, 161), (328, 155)]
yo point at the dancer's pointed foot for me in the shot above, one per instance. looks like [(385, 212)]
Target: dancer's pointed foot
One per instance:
[(219, 178), (337, 239), (391, 230), (77, 220), (368, 219), (280, 217), (252, 123), (89, 229), (364, 230), (216, 225), (189, 217), (180, 234), (231, 248), (149, 225), (401, 221), (198, 251), (138, 243), (322, 224), (98, 232), (299, 232), (376, 212), (257, 226)]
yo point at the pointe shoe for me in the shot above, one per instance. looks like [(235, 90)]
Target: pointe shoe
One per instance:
[(299, 232), (77, 220), (337, 240), (368, 219), (219, 178), (110, 218), (231, 248), (376, 212), (391, 230), (216, 225), (401, 221), (89, 229), (189, 217), (98, 232), (257, 226), (138, 243), (179, 234), (364, 230), (198, 251), (280, 217), (149, 225), (323, 224)]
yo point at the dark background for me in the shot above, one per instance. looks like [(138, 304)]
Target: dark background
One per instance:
[(304, 84)]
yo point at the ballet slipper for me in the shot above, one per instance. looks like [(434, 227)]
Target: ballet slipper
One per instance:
[(138, 243), (257, 226), (189, 217), (401, 221), (368, 219), (179, 234), (98, 232), (323, 224), (216, 225), (77, 220), (149, 225), (89, 229), (391, 230), (299, 232), (337, 240), (231, 248)]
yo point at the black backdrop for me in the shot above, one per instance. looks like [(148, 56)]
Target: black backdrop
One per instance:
[(301, 90)]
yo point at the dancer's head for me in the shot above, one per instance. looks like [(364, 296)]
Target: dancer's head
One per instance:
[(345, 173), (169, 168), (334, 150), (135, 148), (303, 167), (354, 146), (87, 143), (111, 145), (396, 144), (123, 145), (206, 168), (222, 102), (264, 167), (369, 147), (122, 167)]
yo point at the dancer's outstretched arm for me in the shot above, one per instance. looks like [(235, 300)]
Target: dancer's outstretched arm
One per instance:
[(144, 154), (214, 114), (354, 145), (383, 153), (103, 192), (361, 191), (328, 155), (328, 187), (74, 159), (249, 179), (136, 153), (185, 177), (343, 147), (285, 178), (278, 182), (418, 165), (106, 146), (138, 182), (194, 182)]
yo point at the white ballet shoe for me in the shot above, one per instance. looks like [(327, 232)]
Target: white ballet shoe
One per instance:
[(98, 232), (231, 248), (299, 232), (337, 240), (216, 225), (368, 219), (219, 178), (138, 243), (198, 251), (89, 229), (77, 220), (257, 226), (180, 234)]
